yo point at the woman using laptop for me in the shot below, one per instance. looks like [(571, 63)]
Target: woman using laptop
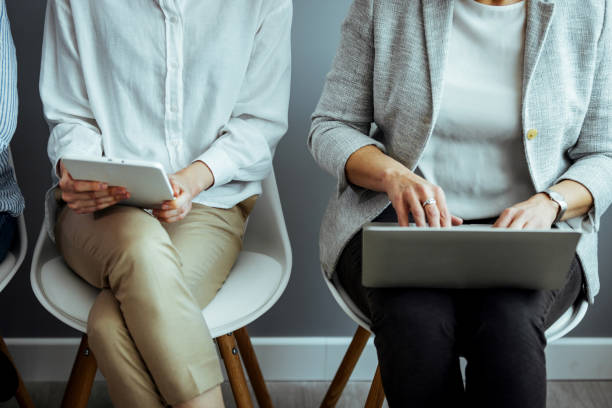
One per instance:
[(201, 87), (443, 112)]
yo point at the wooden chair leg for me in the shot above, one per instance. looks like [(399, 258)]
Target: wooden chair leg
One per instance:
[(81, 378), (249, 359), (346, 368), (376, 396), (23, 397), (231, 359)]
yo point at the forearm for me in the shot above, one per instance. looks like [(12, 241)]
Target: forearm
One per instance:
[(198, 177), (370, 168), (578, 197)]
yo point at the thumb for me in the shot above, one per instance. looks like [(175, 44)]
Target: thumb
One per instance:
[(63, 173), (176, 189), (456, 221)]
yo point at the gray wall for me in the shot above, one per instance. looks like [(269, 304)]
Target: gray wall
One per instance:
[(306, 308)]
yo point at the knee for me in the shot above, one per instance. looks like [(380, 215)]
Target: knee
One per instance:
[(414, 335), (409, 323), (508, 325), (146, 250), (105, 327), (143, 261), (147, 277)]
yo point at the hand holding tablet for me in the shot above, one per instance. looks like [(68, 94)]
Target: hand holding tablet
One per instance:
[(187, 184), (95, 183), (85, 197)]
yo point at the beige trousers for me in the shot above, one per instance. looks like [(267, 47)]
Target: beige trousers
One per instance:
[(146, 328)]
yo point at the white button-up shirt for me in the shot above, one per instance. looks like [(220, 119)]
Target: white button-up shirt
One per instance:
[(172, 81)]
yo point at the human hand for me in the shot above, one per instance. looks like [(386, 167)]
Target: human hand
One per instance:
[(407, 192), (177, 209), (186, 184), (538, 212), (86, 197)]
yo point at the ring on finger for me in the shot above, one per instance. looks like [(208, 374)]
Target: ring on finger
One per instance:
[(429, 201)]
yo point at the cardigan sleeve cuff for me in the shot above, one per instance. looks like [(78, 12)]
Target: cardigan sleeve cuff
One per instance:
[(588, 172), (334, 152)]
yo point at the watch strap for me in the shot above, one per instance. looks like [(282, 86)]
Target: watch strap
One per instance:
[(560, 200)]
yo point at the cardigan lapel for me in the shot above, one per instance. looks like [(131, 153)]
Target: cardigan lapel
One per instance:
[(437, 22), (539, 19)]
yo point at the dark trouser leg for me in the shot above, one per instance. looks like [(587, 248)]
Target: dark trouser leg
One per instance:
[(502, 336), (414, 337), (415, 341), (8, 375), (501, 332), (8, 224)]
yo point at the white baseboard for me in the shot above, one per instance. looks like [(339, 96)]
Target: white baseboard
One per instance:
[(313, 358)]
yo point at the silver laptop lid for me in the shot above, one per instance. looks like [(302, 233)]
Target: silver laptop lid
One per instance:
[(471, 256)]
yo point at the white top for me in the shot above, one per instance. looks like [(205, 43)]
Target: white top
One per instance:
[(172, 81), (476, 152)]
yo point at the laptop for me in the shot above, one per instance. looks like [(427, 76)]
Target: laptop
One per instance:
[(469, 256)]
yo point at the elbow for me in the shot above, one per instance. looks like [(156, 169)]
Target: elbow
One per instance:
[(320, 125), (317, 131)]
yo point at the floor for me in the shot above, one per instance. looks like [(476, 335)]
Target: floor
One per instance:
[(561, 394)]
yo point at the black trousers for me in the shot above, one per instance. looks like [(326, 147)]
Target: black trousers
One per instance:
[(8, 375), (420, 334)]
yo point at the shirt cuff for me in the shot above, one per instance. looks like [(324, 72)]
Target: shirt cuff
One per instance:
[(220, 164), (83, 144), (75, 151)]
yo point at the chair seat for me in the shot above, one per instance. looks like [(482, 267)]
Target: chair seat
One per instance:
[(240, 301)]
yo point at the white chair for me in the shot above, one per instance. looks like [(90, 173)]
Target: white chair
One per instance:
[(8, 268), (255, 283), (568, 321)]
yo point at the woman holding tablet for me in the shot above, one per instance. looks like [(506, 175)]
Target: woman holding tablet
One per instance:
[(486, 111), (203, 89)]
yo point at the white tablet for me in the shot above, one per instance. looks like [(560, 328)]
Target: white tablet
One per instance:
[(146, 182)]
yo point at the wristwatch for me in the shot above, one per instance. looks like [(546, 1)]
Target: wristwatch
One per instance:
[(559, 199)]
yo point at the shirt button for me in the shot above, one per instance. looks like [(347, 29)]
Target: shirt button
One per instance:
[(174, 65), (532, 134), (174, 19), (173, 109)]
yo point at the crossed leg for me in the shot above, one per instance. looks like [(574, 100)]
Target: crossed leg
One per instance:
[(146, 328)]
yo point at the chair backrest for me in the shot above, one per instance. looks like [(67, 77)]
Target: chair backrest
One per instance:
[(346, 304), (267, 232), (568, 321)]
